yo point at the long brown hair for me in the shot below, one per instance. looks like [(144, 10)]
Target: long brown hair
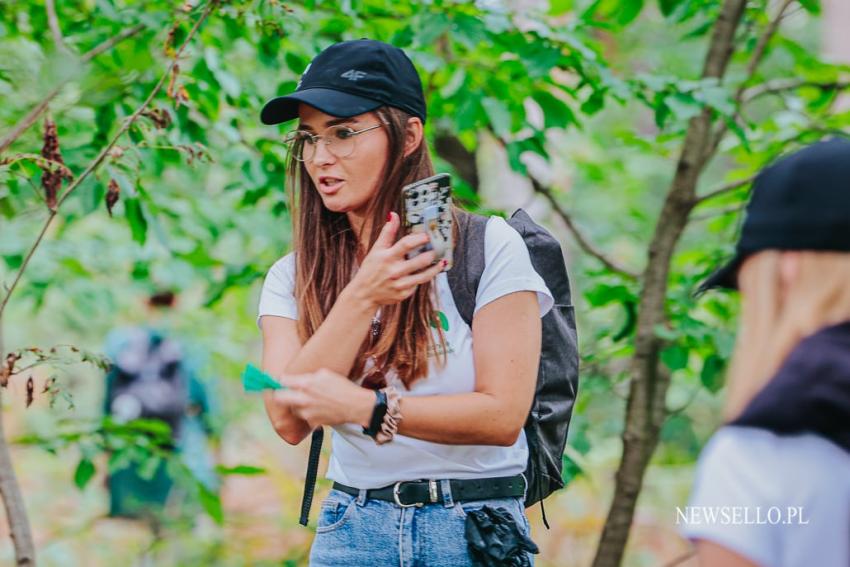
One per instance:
[(325, 260), (774, 320)]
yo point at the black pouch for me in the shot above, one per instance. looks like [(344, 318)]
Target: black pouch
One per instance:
[(495, 539)]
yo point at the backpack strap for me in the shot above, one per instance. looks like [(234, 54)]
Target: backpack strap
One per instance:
[(468, 262), (312, 473)]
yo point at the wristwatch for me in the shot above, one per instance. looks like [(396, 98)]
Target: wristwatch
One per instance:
[(378, 413)]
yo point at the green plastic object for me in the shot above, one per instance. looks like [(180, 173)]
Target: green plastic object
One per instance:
[(255, 380)]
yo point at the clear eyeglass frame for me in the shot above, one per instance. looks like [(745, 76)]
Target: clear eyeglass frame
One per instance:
[(340, 140)]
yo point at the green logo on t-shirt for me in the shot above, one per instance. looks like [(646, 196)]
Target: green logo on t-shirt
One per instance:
[(444, 321)]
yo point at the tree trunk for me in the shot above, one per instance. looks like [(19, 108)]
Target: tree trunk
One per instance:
[(645, 410), (10, 492)]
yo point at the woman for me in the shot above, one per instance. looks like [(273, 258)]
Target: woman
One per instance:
[(345, 315), (773, 485)]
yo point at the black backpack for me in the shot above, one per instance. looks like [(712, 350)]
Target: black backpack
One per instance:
[(557, 375), (148, 380)]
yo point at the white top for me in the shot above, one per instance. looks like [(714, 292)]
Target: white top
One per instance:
[(355, 459), (779, 501)]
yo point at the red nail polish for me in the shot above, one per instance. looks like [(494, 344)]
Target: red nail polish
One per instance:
[(389, 216)]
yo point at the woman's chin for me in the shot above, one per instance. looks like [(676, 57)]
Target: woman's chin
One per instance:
[(336, 205)]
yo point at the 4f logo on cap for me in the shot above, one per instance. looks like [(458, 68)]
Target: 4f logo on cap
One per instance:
[(353, 75)]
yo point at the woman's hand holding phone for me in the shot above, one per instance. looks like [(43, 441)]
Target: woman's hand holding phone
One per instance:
[(385, 277)]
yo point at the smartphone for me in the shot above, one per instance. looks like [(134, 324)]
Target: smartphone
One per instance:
[(427, 208)]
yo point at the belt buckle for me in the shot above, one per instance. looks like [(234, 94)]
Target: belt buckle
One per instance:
[(396, 488)]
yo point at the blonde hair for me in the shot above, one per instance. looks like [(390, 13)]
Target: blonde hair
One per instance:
[(776, 315)]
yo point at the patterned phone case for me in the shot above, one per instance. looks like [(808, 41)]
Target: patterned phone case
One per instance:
[(427, 206)]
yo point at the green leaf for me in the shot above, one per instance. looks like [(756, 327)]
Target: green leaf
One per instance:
[(811, 6), (683, 106), (499, 116), (136, 218), (454, 83), (84, 473), (560, 7), (629, 10), (296, 63), (667, 6), (556, 113), (571, 469), (211, 503), (675, 357), (147, 469), (712, 376), (246, 470)]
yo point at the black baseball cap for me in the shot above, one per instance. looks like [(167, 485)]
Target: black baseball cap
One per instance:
[(350, 78), (800, 202)]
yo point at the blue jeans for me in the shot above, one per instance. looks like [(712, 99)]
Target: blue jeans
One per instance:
[(353, 531)]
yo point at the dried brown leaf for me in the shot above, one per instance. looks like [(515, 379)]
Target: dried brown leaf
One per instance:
[(182, 96), (159, 116), (8, 368), (51, 179), (112, 195), (168, 47), (30, 391), (172, 81)]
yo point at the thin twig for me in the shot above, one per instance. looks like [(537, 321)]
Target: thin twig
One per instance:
[(111, 42), (784, 85), (724, 189), (30, 118), (581, 239), (718, 213), (102, 155), (53, 24)]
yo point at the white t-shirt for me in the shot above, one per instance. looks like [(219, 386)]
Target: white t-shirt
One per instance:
[(779, 501), (355, 459)]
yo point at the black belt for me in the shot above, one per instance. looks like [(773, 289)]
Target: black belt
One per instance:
[(418, 492)]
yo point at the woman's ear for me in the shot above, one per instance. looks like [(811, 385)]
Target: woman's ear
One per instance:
[(413, 135)]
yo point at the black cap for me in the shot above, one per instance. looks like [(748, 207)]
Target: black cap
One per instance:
[(801, 202), (350, 78)]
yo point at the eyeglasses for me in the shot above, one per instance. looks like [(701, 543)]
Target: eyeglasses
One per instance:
[(339, 140)]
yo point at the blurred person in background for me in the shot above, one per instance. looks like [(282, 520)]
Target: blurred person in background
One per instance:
[(772, 486), (156, 375)]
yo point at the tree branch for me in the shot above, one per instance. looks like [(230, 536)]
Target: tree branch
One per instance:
[(583, 242), (10, 491), (30, 118), (93, 165), (784, 85), (53, 24), (722, 190), (752, 66), (111, 42), (581, 239), (645, 409)]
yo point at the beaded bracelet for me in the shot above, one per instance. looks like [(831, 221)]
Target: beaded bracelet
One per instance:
[(392, 417)]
